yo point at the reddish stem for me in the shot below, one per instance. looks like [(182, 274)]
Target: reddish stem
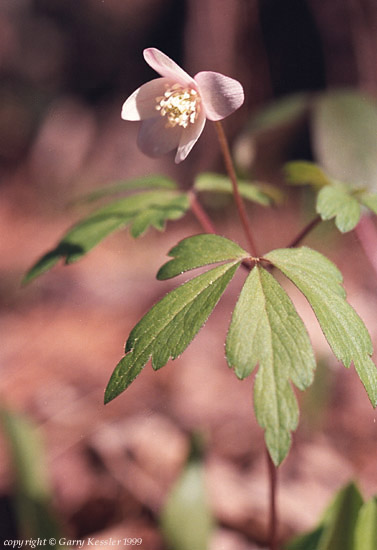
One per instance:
[(233, 178), (311, 225), (367, 235), (201, 214), (273, 521)]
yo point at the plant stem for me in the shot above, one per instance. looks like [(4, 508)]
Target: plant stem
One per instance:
[(367, 235), (201, 214), (273, 521), (233, 178), (311, 225)]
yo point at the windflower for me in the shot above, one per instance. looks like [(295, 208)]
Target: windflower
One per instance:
[(174, 108)]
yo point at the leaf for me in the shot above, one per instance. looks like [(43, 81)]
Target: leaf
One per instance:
[(280, 112), (320, 281), (33, 493), (340, 519), (142, 210), (260, 193), (308, 541), (198, 251), (146, 182), (168, 328), (336, 202), (336, 529), (266, 329), (344, 135), (366, 527), (305, 173), (370, 201), (156, 214), (186, 520)]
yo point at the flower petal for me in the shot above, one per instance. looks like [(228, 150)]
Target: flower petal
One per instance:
[(189, 137), (142, 102), (155, 139), (220, 94), (167, 67)]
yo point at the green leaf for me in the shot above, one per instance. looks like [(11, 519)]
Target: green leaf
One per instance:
[(370, 201), (266, 329), (336, 529), (140, 211), (344, 132), (340, 519), (168, 328), (308, 541), (366, 527), (156, 214), (305, 173), (198, 251), (336, 202), (187, 522), (320, 281), (282, 111), (146, 182), (33, 493), (260, 193)]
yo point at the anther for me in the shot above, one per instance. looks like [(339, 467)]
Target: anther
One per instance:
[(181, 106)]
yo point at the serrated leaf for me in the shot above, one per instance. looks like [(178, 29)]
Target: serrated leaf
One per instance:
[(142, 210), (370, 201), (156, 215), (344, 132), (366, 527), (261, 193), (320, 281), (147, 182), (198, 251), (266, 329), (305, 173), (336, 202), (168, 328)]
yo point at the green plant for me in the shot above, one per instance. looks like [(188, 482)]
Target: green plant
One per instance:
[(265, 329)]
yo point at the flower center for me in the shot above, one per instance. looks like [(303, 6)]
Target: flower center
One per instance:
[(181, 106)]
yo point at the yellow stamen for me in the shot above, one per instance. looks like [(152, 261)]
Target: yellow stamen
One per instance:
[(181, 106)]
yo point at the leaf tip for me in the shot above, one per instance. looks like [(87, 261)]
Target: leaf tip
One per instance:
[(26, 279), (113, 389)]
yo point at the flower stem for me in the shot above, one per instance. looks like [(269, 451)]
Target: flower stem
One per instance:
[(273, 521), (367, 235), (309, 227), (233, 178)]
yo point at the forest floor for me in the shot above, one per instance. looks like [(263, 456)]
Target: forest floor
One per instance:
[(110, 467)]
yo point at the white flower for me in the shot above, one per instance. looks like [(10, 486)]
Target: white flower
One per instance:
[(174, 108)]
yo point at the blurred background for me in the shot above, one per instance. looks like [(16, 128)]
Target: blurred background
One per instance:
[(68, 464)]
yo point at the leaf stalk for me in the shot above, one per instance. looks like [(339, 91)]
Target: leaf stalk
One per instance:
[(224, 146), (305, 231), (273, 520), (200, 214)]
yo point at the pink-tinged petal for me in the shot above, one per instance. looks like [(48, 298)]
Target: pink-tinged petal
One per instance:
[(189, 137), (221, 95), (142, 103), (155, 139), (165, 66)]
